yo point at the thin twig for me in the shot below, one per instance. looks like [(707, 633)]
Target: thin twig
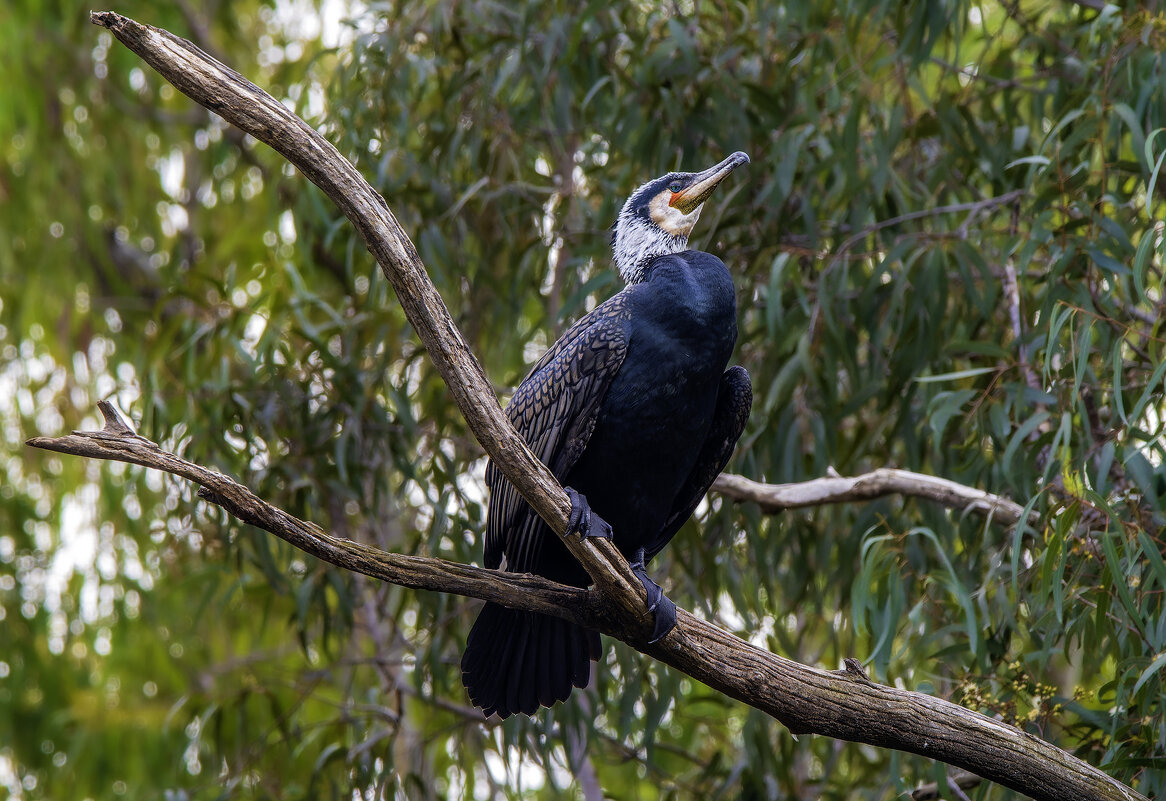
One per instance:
[(1012, 292), (973, 208), (957, 781)]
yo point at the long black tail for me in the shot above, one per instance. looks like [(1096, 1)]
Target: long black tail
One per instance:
[(515, 661)]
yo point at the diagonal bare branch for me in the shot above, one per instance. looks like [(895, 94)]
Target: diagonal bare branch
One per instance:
[(224, 91)]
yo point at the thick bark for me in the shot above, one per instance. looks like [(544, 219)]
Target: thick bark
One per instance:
[(836, 703), (843, 704)]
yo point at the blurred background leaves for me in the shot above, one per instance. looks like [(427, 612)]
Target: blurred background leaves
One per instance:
[(949, 258)]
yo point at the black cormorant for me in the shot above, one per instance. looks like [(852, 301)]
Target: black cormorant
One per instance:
[(635, 414)]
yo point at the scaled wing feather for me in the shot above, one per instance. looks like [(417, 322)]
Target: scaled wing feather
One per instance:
[(555, 409)]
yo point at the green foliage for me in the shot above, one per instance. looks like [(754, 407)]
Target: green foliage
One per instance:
[(949, 253)]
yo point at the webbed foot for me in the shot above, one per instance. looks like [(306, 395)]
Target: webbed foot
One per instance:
[(659, 604), (582, 520)]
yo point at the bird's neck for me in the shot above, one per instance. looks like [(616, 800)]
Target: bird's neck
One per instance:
[(637, 244)]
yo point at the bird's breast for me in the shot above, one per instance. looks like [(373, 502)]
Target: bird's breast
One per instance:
[(680, 328), (651, 426)]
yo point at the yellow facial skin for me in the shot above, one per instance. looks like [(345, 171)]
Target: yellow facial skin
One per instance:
[(670, 217)]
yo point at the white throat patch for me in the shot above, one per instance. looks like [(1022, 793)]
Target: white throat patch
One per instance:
[(638, 241)]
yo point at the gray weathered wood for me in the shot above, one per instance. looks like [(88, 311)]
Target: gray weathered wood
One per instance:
[(843, 704), (865, 487)]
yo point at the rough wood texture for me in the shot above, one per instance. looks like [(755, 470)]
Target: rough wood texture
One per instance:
[(843, 704), (118, 442), (875, 484)]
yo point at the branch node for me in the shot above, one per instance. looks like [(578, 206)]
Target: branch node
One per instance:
[(107, 19), (207, 494), (852, 669), (116, 429), (115, 424)]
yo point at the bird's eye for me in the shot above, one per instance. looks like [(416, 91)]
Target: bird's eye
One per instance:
[(675, 187)]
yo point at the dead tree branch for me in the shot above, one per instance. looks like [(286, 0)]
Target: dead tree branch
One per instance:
[(875, 484), (118, 442), (843, 704), (220, 89)]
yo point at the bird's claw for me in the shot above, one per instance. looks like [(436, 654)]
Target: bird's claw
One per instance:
[(582, 520), (585, 523), (659, 604)]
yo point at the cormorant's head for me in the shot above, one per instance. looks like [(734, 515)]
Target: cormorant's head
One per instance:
[(659, 216)]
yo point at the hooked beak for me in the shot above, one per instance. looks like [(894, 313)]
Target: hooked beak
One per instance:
[(705, 182)]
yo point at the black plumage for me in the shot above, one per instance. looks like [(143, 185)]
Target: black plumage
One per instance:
[(633, 409)]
